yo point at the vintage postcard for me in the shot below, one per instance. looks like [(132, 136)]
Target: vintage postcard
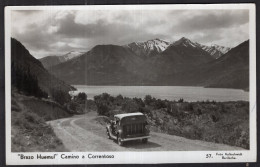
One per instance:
[(124, 84)]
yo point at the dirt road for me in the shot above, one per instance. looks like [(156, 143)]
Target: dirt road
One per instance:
[(83, 133)]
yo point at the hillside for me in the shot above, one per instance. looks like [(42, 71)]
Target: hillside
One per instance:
[(231, 70), (21, 58), (216, 51), (103, 65), (50, 61), (183, 55), (29, 129)]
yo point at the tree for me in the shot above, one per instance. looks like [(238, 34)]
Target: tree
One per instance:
[(148, 99), (81, 97), (60, 96), (104, 103), (181, 100), (25, 81), (119, 100)]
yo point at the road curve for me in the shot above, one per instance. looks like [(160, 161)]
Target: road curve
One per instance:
[(82, 133)]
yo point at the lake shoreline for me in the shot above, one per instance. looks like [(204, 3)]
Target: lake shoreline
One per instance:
[(188, 93)]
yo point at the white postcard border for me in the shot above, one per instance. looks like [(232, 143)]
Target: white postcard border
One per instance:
[(133, 157)]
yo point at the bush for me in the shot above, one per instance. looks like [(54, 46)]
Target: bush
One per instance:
[(181, 100), (173, 109), (148, 99), (104, 103), (82, 97), (144, 110), (73, 106), (160, 104), (103, 109), (139, 101), (119, 100), (130, 106), (60, 96)]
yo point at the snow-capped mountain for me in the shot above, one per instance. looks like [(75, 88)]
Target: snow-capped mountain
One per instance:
[(222, 49), (185, 42), (50, 61), (148, 48), (216, 51), (183, 63), (71, 55)]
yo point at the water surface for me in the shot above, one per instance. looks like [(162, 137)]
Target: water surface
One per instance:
[(188, 93)]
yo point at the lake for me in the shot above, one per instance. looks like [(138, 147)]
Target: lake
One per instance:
[(188, 93)]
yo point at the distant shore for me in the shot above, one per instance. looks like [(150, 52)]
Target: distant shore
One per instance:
[(188, 93)]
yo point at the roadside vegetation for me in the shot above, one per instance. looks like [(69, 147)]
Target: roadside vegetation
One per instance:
[(31, 107), (219, 122), (29, 130), (29, 114)]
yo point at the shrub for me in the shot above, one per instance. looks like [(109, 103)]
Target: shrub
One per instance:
[(223, 109), (181, 100), (130, 106), (148, 99), (73, 106), (214, 118), (91, 105), (104, 103), (160, 104), (60, 96), (173, 109), (103, 109), (119, 100), (82, 97), (139, 101), (188, 106)]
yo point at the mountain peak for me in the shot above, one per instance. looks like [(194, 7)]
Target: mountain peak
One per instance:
[(216, 51), (51, 61), (158, 40), (148, 48), (185, 42), (184, 38)]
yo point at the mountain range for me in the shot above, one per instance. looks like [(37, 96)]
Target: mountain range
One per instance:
[(157, 62), (144, 50), (22, 58)]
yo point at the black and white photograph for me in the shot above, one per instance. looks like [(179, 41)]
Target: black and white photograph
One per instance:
[(128, 84)]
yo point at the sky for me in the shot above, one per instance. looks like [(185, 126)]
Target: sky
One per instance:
[(52, 32)]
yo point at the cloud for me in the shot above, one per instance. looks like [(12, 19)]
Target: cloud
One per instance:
[(53, 32), (206, 20)]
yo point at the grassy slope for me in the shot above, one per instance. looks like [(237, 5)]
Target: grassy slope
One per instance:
[(29, 129)]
